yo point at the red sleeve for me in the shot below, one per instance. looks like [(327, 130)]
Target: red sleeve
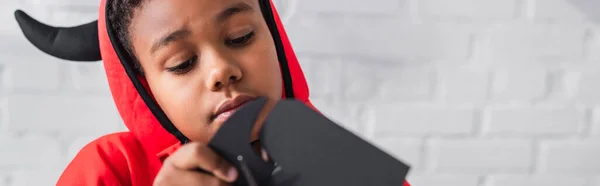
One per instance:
[(99, 163), (406, 183)]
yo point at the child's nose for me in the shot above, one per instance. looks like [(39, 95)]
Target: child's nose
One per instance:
[(223, 74)]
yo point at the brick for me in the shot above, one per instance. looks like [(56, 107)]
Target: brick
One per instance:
[(565, 10), (559, 86), (481, 156), (393, 119), (569, 84), (121, 126), (570, 156), (3, 117), (76, 15), (469, 9), (65, 3), (3, 80), (350, 6), (26, 68), (16, 48), (284, 8), (41, 177), (386, 38), (463, 85), (582, 85), (519, 84), (593, 44), (360, 81), (7, 17), (409, 151), (349, 117), (443, 179), (33, 76), (534, 121), (518, 44), (3, 179), (25, 151), (594, 181), (406, 84), (538, 180), (89, 78), (65, 114), (323, 75), (595, 126), (40, 13), (385, 82), (75, 146)]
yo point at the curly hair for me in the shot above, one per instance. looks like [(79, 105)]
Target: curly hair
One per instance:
[(120, 13)]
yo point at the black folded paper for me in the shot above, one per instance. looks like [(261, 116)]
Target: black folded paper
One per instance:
[(308, 148)]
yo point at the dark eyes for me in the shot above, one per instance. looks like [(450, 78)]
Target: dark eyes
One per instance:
[(187, 65), (240, 41), (184, 67)]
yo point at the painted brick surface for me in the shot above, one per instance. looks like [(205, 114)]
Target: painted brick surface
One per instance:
[(444, 179), (463, 85), (534, 121), (424, 120), (25, 151), (482, 156), (526, 43), (570, 156), (469, 92), (538, 180), (469, 9)]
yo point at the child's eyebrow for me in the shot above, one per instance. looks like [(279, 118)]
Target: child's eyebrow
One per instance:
[(169, 38), (221, 17), (232, 10)]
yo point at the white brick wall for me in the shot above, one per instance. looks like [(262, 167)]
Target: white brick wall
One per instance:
[(470, 92), (481, 156), (503, 180)]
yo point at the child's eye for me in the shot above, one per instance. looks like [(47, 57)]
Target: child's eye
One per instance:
[(184, 67), (240, 41)]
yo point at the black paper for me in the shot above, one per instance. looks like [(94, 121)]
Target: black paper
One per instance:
[(308, 148)]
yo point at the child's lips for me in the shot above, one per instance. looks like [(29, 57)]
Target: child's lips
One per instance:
[(225, 115), (228, 107)]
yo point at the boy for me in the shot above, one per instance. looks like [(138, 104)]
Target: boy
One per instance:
[(177, 70)]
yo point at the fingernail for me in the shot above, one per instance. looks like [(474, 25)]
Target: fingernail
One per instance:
[(264, 155), (232, 174)]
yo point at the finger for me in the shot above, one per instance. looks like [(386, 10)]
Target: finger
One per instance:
[(264, 154), (171, 176), (194, 155)]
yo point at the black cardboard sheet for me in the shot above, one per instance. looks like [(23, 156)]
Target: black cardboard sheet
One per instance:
[(232, 141), (308, 150)]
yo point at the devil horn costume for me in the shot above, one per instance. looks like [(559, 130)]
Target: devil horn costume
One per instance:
[(79, 43), (135, 157)]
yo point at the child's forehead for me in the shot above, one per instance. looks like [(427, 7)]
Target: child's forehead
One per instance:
[(173, 11), (164, 21), (206, 5)]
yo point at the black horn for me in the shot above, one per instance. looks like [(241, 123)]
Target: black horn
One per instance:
[(78, 43)]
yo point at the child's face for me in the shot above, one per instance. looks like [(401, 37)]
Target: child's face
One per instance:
[(197, 54)]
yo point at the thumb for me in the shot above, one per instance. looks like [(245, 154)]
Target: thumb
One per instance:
[(264, 155)]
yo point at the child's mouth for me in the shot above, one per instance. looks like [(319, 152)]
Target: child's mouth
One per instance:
[(227, 108), (225, 115)]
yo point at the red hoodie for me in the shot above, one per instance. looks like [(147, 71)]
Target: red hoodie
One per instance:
[(135, 157)]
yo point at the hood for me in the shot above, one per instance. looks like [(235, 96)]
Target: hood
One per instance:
[(96, 41)]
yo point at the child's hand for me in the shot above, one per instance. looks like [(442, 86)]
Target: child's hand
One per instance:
[(180, 168)]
